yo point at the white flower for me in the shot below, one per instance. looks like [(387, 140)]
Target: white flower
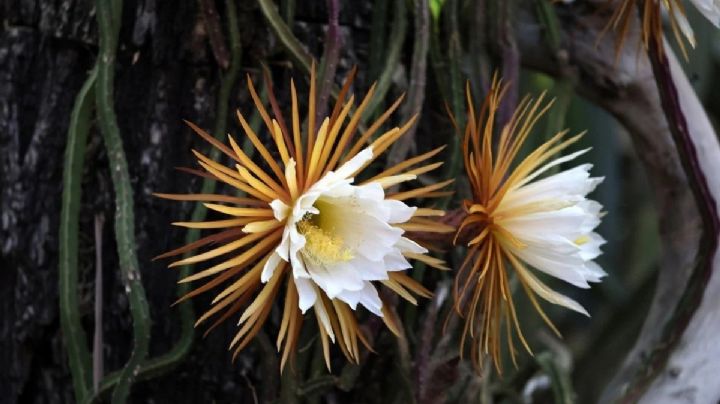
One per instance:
[(518, 223), (302, 232), (554, 223), (651, 21), (339, 237), (709, 8)]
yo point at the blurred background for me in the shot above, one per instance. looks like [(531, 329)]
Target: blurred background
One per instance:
[(188, 60)]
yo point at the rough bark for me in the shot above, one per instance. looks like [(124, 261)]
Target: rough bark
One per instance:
[(165, 71)]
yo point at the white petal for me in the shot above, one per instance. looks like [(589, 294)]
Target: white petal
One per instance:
[(567, 186), (322, 315), (369, 200), (304, 204), (710, 9), (297, 242), (399, 211), (550, 165), (395, 261), (684, 25), (556, 266), (280, 209), (590, 249), (351, 166), (407, 245), (339, 189), (550, 295), (592, 208), (270, 266), (593, 272), (369, 270), (283, 249), (333, 279), (570, 223), (306, 293), (368, 236), (367, 296), (372, 191)]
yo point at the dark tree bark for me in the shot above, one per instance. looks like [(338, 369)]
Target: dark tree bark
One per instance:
[(164, 72)]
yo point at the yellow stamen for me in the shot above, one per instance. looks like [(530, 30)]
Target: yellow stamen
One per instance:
[(321, 246)]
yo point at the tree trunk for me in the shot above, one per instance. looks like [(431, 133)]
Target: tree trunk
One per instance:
[(164, 70)]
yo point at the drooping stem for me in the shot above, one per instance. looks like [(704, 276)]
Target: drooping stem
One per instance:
[(167, 361), (285, 35), (72, 330), (108, 16)]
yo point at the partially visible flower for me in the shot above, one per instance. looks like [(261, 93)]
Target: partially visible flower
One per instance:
[(651, 14), (710, 9), (306, 222), (518, 223)]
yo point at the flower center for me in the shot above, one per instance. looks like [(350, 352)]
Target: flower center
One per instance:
[(323, 246)]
